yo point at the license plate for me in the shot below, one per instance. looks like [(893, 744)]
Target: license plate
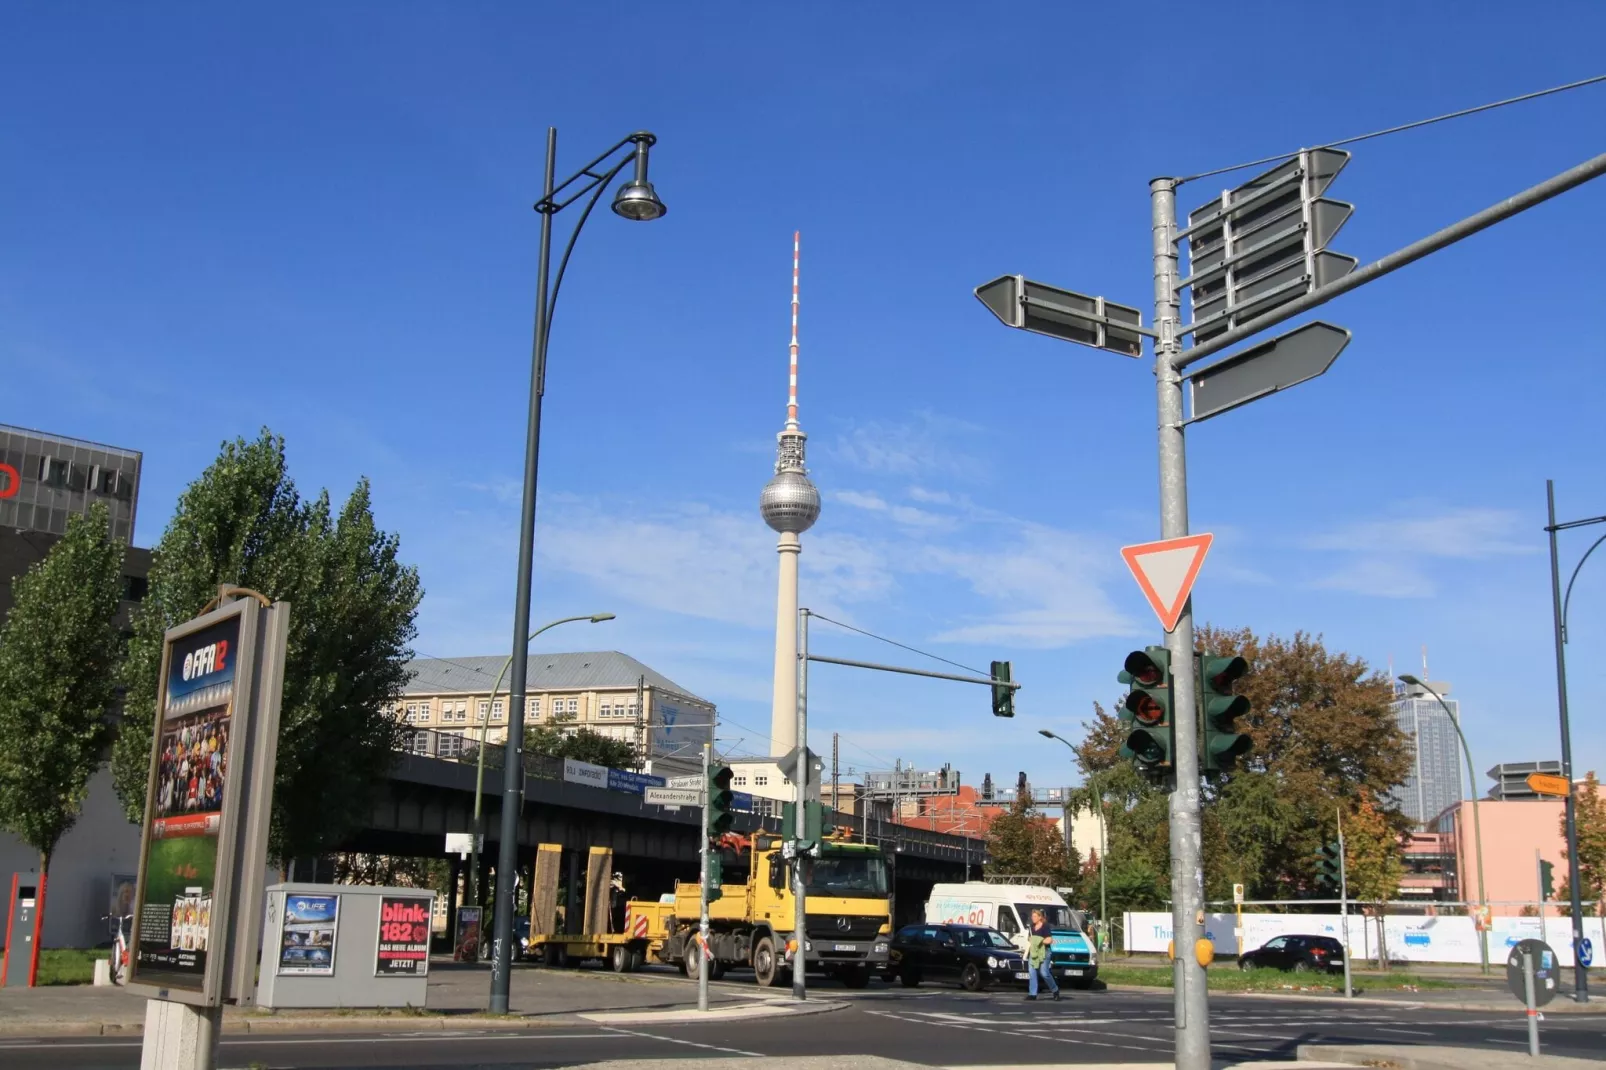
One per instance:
[(1072, 973), (844, 947), (1021, 976)]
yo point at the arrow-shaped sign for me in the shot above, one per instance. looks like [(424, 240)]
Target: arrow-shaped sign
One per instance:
[(1265, 368)]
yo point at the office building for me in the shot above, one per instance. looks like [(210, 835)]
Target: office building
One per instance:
[(450, 701), (1433, 783), (45, 478), (1511, 780)]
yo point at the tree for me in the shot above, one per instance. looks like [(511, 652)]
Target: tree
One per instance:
[(581, 744), (1589, 815), (352, 607), (1022, 842), (1373, 863), (59, 654)]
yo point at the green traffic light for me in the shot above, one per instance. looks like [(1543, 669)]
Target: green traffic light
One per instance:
[(1003, 694), (1547, 880), (720, 818)]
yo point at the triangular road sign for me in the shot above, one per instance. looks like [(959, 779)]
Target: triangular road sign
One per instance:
[(1165, 571)]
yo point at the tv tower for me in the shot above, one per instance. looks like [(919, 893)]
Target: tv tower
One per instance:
[(789, 504)]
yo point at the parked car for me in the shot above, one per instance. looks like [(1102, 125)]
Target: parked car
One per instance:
[(1298, 953), (973, 955)]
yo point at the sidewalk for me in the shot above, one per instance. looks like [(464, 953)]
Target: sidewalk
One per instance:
[(456, 996)]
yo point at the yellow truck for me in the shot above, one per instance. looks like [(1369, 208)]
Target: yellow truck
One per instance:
[(751, 924)]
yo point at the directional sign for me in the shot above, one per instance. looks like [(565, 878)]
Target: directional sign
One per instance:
[(1166, 570), (1265, 368), (674, 797), (1264, 244), (1042, 309), (1549, 784), (1586, 953)]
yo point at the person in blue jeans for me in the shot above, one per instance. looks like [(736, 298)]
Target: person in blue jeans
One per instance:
[(1038, 960)]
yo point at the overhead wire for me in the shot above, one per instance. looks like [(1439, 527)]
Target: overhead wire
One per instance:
[(1402, 127), (901, 646)]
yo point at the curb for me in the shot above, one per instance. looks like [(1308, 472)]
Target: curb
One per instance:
[(1482, 1007), (770, 1009), (265, 1025)]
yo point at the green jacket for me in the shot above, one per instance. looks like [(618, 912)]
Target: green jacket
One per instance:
[(1037, 950)]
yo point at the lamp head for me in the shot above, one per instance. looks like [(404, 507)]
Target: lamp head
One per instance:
[(598, 618), (1045, 733), (1407, 678), (637, 199)]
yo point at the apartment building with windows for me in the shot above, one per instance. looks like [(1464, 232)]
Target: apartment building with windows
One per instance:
[(452, 704)]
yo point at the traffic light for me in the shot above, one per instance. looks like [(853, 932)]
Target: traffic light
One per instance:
[(1547, 880), (1221, 745), (716, 875), (1328, 864), (720, 818), (813, 821), (1003, 694), (1147, 708)]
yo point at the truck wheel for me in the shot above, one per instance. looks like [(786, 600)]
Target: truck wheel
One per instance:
[(619, 958), (856, 977), (971, 979), (557, 956), (765, 966), (692, 963), (637, 957)]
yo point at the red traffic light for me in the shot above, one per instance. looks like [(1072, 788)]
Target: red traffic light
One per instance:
[(1144, 709), (1143, 670)]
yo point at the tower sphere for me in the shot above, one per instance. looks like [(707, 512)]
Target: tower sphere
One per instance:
[(789, 502)]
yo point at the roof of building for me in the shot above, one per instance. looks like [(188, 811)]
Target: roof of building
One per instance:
[(583, 671)]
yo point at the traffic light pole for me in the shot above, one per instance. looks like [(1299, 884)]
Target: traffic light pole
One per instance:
[(800, 777), (1343, 902), (1187, 874), (702, 894)]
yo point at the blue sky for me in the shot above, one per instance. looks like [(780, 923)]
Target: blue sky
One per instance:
[(317, 219)]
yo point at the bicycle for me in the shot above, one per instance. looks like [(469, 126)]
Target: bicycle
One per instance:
[(120, 949)]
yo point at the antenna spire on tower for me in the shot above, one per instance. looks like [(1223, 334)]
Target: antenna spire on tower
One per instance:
[(791, 391)]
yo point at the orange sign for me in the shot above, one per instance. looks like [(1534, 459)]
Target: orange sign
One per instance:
[(1549, 784)]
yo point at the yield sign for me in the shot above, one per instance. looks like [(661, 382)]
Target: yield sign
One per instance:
[(1165, 570)]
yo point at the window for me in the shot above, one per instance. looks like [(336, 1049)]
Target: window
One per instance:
[(419, 743), (1006, 921), (532, 707), (740, 782), (573, 709), (496, 710), (418, 712), (53, 472), (485, 709), (761, 781), (448, 745)]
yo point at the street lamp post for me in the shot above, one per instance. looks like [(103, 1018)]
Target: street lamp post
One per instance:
[(637, 200), (1559, 605), (479, 770), (1104, 828), (1477, 826)]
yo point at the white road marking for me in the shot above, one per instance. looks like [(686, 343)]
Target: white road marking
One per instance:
[(687, 1043)]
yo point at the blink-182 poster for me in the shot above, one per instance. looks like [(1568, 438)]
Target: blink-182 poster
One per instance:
[(186, 814)]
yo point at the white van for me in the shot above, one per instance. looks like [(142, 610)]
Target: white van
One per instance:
[(1008, 908)]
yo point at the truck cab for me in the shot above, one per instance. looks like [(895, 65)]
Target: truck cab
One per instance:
[(1006, 904)]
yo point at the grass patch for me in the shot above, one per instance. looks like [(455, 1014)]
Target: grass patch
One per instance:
[(1229, 978), (69, 966)]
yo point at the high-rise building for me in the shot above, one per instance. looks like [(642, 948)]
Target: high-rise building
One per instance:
[(1433, 784)]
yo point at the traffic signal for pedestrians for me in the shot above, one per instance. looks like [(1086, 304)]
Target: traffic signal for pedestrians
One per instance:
[(1328, 864), (1003, 694), (716, 875), (1148, 710), (1221, 744), (720, 818), (1547, 880)]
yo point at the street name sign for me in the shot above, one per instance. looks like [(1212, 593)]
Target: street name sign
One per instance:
[(1264, 243), (674, 797), (691, 781), (1166, 571), (1264, 368), (1549, 784), (1064, 314)]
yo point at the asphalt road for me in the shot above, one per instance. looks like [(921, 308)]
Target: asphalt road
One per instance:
[(936, 1026)]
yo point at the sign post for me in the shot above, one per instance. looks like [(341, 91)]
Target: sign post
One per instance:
[(203, 852)]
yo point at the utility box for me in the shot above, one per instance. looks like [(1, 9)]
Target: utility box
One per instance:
[(344, 945), (22, 925)]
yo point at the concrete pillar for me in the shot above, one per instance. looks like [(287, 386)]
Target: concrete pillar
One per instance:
[(783, 703), (180, 1037)]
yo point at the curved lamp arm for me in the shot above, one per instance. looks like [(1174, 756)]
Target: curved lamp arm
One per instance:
[(1569, 596)]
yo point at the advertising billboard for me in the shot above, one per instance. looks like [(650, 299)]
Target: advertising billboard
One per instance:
[(307, 945), (195, 744), (403, 947)]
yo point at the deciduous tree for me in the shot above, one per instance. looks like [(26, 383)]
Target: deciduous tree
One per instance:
[(1373, 862), (1589, 814), (581, 744), (1023, 842), (351, 619), (59, 654)]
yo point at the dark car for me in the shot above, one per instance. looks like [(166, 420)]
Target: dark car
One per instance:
[(1297, 953), (973, 955)]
